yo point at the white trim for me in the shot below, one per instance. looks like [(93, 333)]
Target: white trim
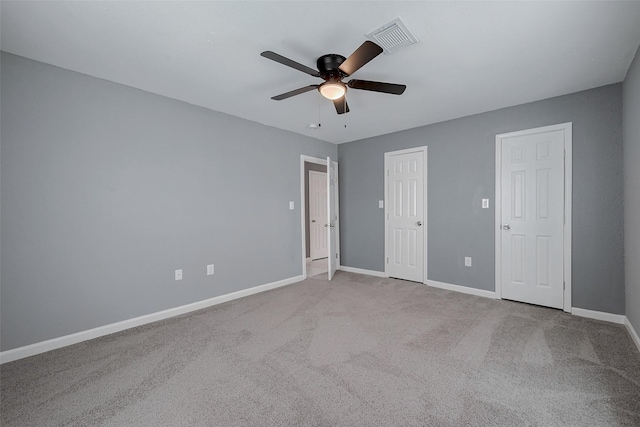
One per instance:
[(338, 253), (362, 271), (497, 207), (568, 191), (52, 344), (632, 332), (462, 289), (337, 211), (599, 315), (303, 208), (568, 195), (425, 221), (426, 213)]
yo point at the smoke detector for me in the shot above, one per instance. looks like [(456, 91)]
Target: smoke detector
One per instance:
[(393, 36)]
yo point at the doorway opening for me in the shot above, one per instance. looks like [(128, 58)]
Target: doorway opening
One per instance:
[(315, 217), (320, 229)]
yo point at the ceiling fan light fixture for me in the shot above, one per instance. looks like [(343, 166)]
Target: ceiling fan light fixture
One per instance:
[(333, 90)]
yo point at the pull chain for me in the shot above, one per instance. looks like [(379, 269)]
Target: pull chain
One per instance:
[(345, 111), (319, 111)]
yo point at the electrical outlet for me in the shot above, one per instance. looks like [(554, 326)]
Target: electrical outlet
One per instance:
[(381, 204), (209, 269), (292, 205), (179, 274), (467, 261), (485, 203)]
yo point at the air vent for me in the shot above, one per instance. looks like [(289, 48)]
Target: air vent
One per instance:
[(392, 36)]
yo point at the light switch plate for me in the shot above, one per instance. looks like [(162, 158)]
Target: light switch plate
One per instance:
[(292, 205), (485, 203), (467, 261), (179, 274), (381, 204), (209, 269)]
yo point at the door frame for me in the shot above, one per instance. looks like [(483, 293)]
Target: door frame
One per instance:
[(567, 128), (319, 161), (336, 220), (305, 217), (425, 203)]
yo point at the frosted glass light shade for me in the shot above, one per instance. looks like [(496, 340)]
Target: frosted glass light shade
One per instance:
[(333, 90)]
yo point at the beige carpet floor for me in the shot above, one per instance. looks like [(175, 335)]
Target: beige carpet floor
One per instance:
[(357, 351)]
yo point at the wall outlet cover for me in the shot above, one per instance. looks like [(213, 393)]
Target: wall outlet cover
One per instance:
[(485, 203), (381, 204), (467, 261), (209, 269), (179, 274), (292, 205)]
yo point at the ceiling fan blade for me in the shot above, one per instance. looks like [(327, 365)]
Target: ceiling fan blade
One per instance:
[(392, 88), (290, 63), (341, 105), (365, 53), (294, 92)]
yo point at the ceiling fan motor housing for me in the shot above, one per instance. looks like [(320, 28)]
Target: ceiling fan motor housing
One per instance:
[(328, 66)]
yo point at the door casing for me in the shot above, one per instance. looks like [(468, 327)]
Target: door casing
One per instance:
[(425, 227), (567, 129)]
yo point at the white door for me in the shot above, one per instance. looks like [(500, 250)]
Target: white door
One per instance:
[(317, 214), (532, 217), (332, 225), (405, 214)]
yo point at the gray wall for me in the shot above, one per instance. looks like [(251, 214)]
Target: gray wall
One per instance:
[(308, 166), (107, 189), (461, 171), (631, 133)]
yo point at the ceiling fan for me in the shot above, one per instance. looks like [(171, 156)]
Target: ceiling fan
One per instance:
[(333, 68)]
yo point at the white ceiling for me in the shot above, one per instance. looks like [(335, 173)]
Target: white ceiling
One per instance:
[(472, 56)]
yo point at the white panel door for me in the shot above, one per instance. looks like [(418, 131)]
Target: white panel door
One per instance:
[(405, 216), (332, 224), (532, 217), (317, 214)]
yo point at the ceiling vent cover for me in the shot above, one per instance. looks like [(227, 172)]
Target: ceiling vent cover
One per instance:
[(392, 36)]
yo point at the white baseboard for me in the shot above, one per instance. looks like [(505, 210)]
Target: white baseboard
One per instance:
[(362, 271), (462, 289), (52, 344), (599, 315), (632, 332)]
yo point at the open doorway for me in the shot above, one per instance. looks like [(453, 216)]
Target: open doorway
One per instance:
[(315, 215), (331, 224)]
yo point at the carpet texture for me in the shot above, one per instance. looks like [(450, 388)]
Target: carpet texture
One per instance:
[(356, 351)]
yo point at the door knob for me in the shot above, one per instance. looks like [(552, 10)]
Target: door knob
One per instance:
[(506, 227), (419, 223)]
